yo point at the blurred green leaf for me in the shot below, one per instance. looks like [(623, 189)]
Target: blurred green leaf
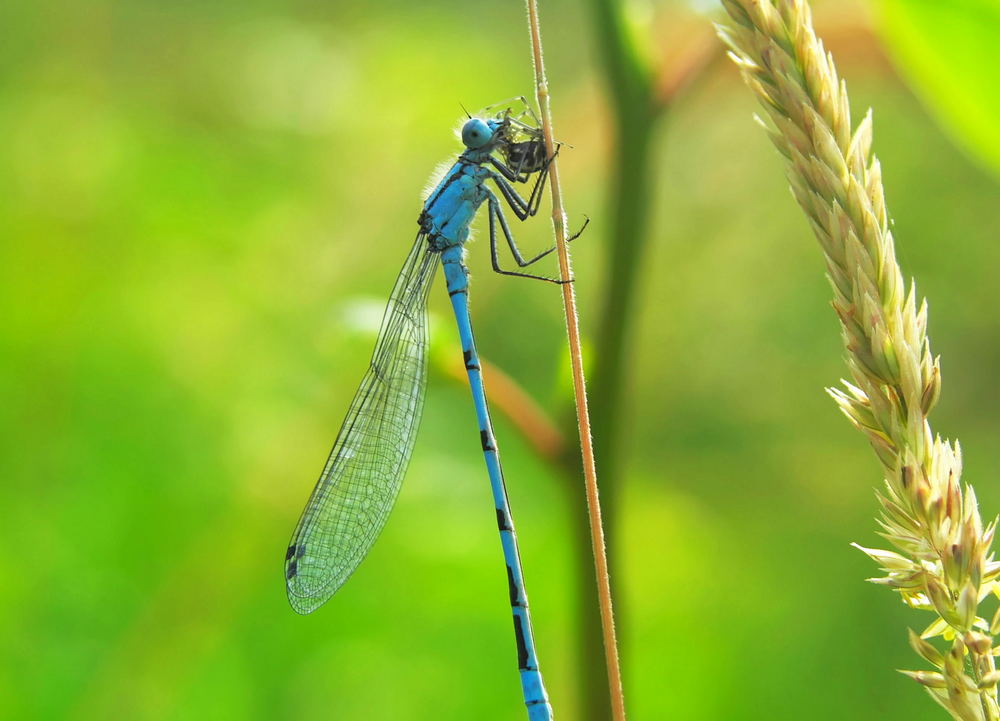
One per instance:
[(948, 52)]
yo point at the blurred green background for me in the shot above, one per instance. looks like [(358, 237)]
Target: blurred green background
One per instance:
[(201, 204)]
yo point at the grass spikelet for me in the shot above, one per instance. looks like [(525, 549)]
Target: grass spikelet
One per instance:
[(942, 562)]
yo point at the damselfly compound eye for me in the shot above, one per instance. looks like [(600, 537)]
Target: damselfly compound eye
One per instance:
[(476, 133)]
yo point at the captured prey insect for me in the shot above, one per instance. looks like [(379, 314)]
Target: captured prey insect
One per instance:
[(361, 479)]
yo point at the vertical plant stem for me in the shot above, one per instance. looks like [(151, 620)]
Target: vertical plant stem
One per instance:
[(631, 182), (579, 381), (630, 84)]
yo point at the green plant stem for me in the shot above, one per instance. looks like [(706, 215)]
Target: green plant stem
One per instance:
[(630, 83), (641, 95), (627, 242), (631, 86)]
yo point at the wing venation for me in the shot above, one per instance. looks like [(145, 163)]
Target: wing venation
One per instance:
[(361, 479)]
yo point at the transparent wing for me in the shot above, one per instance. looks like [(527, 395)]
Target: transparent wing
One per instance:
[(360, 482)]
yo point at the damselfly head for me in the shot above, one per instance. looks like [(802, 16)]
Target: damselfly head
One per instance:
[(511, 129), (476, 133)]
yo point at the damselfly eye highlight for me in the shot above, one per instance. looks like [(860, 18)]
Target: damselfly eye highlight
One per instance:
[(476, 133)]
